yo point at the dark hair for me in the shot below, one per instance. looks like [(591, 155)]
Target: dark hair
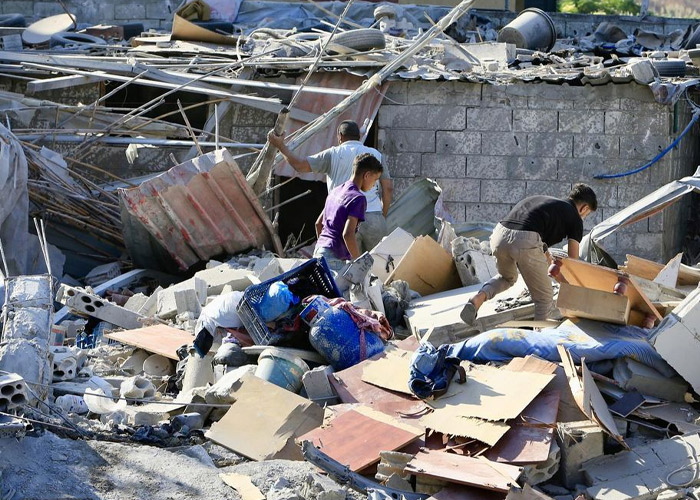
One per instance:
[(349, 130), (583, 193), (366, 162)]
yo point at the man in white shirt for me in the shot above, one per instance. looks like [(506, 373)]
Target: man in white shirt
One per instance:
[(336, 163)]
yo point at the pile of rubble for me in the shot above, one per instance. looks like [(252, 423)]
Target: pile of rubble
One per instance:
[(242, 368)]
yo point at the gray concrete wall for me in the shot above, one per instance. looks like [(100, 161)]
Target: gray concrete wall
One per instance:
[(158, 14), (489, 146)]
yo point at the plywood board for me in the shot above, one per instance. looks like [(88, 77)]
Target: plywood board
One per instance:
[(158, 339), (668, 276), (355, 439), (647, 269), (453, 424), (491, 393), (579, 302), (427, 267), (580, 273), (243, 485), (390, 371), (265, 420), (470, 471)]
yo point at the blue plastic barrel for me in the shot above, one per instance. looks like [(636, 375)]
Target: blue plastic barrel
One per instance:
[(336, 337)]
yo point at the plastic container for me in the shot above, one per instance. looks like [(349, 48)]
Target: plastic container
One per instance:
[(336, 337), (314, 270), (281, 368), (533, 29), (72, 404)]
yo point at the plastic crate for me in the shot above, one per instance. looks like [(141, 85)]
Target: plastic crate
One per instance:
[(316, 270)]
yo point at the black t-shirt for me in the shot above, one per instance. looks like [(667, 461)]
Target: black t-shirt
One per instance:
[(552, 218)]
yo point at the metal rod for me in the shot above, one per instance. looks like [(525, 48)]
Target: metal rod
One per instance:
[(288, 201), (141, 140)]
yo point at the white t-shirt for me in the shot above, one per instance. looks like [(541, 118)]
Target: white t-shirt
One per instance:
[(336, 163)]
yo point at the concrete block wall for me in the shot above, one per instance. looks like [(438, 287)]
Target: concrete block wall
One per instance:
[(489, 146)]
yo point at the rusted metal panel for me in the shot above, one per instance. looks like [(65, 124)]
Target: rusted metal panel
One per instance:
[(199, 209)]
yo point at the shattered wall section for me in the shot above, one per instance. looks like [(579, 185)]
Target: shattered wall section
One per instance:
[(489, 146)]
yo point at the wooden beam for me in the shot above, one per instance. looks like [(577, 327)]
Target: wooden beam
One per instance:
[(61, 82), (579, 302)]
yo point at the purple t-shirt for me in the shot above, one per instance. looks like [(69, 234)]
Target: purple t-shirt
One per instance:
[(344, 201)]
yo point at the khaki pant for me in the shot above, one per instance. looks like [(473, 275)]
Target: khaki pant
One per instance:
[(371, 231), (521, 251)]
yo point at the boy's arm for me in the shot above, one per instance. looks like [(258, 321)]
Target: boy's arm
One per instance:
[(299, 163), (319, 225), (387, 186), (349, 236)]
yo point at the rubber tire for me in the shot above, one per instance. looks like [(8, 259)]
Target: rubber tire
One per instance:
[(12, 21), (669, 67), (360, 39), (69, 38)]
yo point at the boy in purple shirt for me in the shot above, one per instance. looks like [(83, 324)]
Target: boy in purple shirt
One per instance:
[(343, 212)]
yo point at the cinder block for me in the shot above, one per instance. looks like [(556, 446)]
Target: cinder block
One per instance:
[(582, 122), (591, 101), (158, 11), (640, 103), (597, 146), (408, 141), (498, 96), (402, 164), (495, 120), (577, 169), (551, 145), (457, 210), (643, 147), (486, 212), (443, 166), (220, 276), (504, 144), (539, 102), (578, 442), (150, 307), (646, 245), (167, 307), (449, 92), (534, 120), (464, 190), (397, 93), (502, 191), (318, 388), (531, 168), (46, 9), (24, 7), (551, 188), (632, 193), (423, 117), (457, 143), (187, 301), (636, 123), (13, 391), (130, 11), (488, 167), (97, 307)]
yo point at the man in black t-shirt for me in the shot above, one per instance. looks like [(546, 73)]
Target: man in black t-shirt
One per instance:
[(520, 242)]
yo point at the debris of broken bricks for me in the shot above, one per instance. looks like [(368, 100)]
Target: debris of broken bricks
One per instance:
[(260, 352)]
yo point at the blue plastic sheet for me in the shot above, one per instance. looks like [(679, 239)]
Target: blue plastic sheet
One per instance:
[(592, 340)]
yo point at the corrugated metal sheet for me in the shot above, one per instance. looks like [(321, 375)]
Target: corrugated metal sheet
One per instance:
[(199, 209)]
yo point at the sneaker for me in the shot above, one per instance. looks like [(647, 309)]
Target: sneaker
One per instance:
[(468, 314)]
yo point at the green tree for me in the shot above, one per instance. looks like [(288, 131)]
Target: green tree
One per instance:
[(599, 6)]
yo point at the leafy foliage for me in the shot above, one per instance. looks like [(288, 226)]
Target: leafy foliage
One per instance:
[(599, 6)]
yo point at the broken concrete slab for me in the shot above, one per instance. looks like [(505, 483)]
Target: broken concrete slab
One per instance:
[(97, 307), (389, 252), (186, 301), (222, 275), (633, 375), (167, 306), (136, 302), (579, 442), (317, 386)]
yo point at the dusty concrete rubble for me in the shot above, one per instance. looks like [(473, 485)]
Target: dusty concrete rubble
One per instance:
[(156, 369)]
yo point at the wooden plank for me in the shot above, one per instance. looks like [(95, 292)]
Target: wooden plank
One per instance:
[(427, 267), (580, 273), (355, 439), (451, 423), (648, 269), (470, 471), (579, 302), (158, 339)]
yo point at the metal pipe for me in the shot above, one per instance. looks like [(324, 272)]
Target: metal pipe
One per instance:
[(138, 140)]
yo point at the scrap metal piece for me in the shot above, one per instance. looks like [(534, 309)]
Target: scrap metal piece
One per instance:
[(194, 211), (343, 475)]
